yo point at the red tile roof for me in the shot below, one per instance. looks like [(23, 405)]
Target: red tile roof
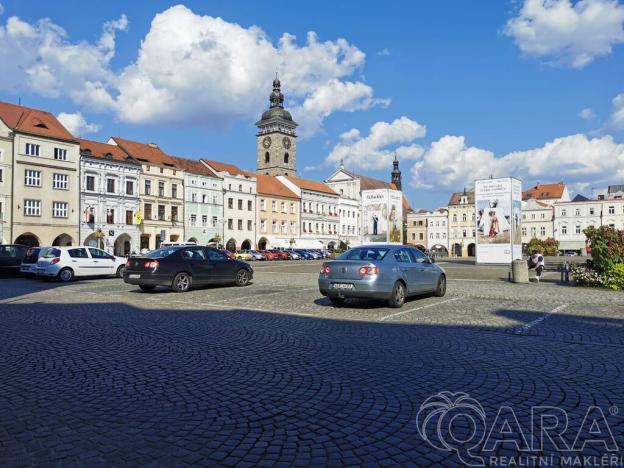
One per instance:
[(545, 191), (33, 121), (145, 152), (229, 168), (102, 150), (270, 185), (312, 185), (456, 197), (193, 166)]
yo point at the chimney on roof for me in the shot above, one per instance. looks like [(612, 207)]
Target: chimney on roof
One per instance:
[(152, 145)]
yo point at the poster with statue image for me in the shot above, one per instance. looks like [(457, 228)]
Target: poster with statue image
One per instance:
[(497, 205), (382, 218)]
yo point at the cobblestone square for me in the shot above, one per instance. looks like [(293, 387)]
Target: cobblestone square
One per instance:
[(96, 372)]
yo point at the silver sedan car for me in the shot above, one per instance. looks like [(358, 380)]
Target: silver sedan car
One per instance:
[(381, 271)]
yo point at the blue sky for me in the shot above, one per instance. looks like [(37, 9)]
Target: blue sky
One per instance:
[(459, 89)]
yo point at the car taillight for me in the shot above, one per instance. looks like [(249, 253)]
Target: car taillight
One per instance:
[(325, 269), (369, 270), (153, 264), (55, 260)]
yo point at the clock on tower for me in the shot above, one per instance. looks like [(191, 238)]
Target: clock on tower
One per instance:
[(276, 141)]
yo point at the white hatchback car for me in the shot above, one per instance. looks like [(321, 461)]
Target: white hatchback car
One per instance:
[(65, 263)]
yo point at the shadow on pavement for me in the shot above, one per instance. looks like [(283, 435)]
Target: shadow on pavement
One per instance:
[(111, 384)]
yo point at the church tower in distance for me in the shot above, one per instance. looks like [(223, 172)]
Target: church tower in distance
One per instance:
[(396, 173), (276, 141)]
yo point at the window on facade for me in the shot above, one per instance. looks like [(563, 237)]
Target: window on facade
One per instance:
[(161, 212), (129, 217), (174, 190), (249, 225), (263, 225), (240, 224), (542, 231), (148, 187), (193, 197), (464, 233), (564, 229), (240, 204), (32, 149), (161, 188), (60, 154), (591, 211), (59, 209), (193, 220), (204, 198), (90, 183), (148, 210), (274, 206), (214, 221), (274, 227), (249, 205), (174, 213), (214, 199), (454, 218), (284, 230), (230, 203), (524, 231), (564, 212), (32, 178), (533, 231), (230, 223), (262, 204), (204, 220), (129, 187), (240, 188), (464, 218), (110, 185), (110, 216), (286, 158), (1, 175), (32, 207), (267, 157), (577, 212), (60, 181), (612, 210), (578, 229)]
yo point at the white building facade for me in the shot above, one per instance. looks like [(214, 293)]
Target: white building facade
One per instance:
[(437, 231), (537, 221), (239, 205), (319, 213), (109, 198)]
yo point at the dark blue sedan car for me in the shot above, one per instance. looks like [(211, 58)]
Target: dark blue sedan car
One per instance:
[(390, 272)]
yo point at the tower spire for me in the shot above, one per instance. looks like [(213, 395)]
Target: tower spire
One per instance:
[(396, 172), (276, 98)]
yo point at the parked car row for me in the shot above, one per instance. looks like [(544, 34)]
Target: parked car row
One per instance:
[(281, 254)]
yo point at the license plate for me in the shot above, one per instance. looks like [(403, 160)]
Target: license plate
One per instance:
[(342, 286), (134, 276)]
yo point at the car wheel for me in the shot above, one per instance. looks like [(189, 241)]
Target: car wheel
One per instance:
[(66, 275), (337, 301), (441, 288), (182, 282), (242, 277), (120, 271), (397, 298), (146, 287)]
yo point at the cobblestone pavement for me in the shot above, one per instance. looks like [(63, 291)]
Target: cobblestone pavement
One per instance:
[(98, 373)]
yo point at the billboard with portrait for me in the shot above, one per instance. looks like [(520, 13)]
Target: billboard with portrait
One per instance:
[(497, 205), (382, 215)]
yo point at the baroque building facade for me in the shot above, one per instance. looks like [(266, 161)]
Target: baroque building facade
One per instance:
[(109, 198)]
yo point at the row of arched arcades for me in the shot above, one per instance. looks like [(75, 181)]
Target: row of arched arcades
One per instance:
[(31, 240)]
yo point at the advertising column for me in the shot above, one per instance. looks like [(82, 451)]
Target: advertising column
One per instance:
[(395, 216), (375, 215), (497, 205)]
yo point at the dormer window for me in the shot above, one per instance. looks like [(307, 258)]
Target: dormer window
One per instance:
[(39, 124)]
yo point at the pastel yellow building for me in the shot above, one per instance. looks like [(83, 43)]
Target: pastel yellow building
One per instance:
[(278, 213), (45, 158)]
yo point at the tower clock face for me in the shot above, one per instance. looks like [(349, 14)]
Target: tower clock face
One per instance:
[(286, 142), (266, 142)]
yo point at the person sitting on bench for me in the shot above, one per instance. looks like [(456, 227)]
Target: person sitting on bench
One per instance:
[(537, 263)]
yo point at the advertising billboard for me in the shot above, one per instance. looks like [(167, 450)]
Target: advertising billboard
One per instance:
[(382, 215), (498, 215)]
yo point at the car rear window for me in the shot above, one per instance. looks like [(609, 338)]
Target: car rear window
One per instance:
[(52, 253), (8, 251), (364, 253), (162, 253)]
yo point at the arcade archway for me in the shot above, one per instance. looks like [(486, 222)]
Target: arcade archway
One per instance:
[(28, 239)]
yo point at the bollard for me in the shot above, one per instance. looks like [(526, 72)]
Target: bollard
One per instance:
[(519, 271)]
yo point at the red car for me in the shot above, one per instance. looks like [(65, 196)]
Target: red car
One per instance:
[(269, 255), (281, 255), (228, 253)]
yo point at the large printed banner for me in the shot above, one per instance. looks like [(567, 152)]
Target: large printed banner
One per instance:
[(498, 215), (382, 212)]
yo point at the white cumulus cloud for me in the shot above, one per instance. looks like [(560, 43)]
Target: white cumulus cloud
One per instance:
[(450, 163), (587, 114), (568, 33), (191, 70), (376, 150), (77, 124), (617, 116)]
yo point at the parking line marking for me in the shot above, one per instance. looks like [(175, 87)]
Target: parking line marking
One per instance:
[(417, 308), (527, 326)]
